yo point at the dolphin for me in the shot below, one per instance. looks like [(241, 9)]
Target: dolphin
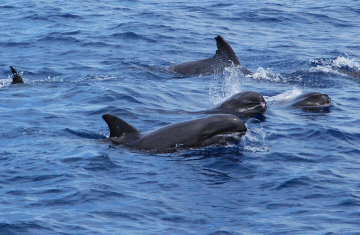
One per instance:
[(311, 101), (247, 103), (224, 57), (211, 130), (354, 74), (16, 77)]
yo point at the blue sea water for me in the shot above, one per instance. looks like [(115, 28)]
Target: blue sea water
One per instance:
[(295, 172)]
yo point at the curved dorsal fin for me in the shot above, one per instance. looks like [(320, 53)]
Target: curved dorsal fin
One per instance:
[(16, 77), (118, 127), (225, 50)]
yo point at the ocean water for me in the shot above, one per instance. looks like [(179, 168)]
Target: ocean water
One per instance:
[(295, 172)]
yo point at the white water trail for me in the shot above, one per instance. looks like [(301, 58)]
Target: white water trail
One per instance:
[(286, 96)]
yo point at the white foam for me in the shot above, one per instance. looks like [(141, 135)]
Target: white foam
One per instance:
[(342, 61), (262, 74), (98, 77), (6, 82), (322, 68), (259, 74), (287, 95), (254, 139), (333, 65)]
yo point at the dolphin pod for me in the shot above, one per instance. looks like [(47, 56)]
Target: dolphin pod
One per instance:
[(221, 128), (211, 130), (224, 57)]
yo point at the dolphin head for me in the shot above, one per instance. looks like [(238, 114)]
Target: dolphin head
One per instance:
[(245, 103), (312, 100), (219, 128), (211, 130)]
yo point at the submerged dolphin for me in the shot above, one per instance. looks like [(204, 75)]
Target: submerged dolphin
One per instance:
[(245, 103), (312, 101), (189, 134), (16, 77), (224, 57), (354, 74)]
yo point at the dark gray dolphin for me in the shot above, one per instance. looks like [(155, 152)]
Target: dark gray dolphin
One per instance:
[(247, 103), (201, 132), (224, 57), (16, 77), (311, 101), (354, 74)]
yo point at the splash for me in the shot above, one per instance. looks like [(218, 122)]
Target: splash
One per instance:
[(262, 74), (254, 139), (95, 77), (287, 95), (49, 79), (5, 82), (58, 79), (225, 85), (342, 62), (8, 81), (341, 65)]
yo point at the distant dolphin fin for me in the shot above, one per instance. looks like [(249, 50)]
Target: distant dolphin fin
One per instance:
[(13, 70), (225, 50), (118, 127), (16, 77)]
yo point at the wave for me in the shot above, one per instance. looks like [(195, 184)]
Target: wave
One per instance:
[(340, 66), (15, 44), (87, 134), (296, 182), (25, 227), (319, 73), (7, 7), (222, 5), (132, 36), (58, 38)]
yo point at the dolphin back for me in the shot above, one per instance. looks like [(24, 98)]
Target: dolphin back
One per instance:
[(16, 77), (223, 58)]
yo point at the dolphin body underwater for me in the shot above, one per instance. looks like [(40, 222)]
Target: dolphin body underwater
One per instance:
[(224, 57), (211, 130), (354, 74), (16, 77)]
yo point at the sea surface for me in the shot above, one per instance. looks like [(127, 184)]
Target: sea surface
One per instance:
[(294, 172)]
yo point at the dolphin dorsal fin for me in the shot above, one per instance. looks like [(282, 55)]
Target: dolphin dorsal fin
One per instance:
[(118, 127), (225, 50), (16, 77), (13, 70)]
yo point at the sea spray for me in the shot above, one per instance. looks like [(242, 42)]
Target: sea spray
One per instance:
[(225, 85), (254, 139)]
